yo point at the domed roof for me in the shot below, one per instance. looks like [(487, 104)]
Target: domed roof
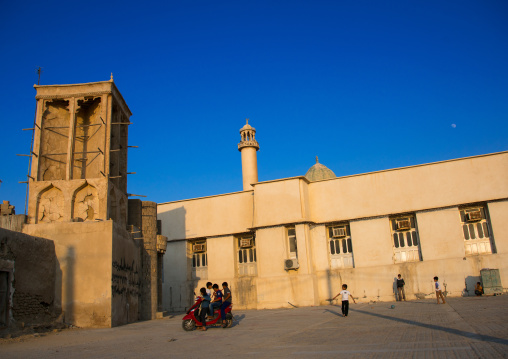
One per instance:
[(247, 126), (319, 172)]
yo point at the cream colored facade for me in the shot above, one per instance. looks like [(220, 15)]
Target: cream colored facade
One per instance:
[(365, 211)]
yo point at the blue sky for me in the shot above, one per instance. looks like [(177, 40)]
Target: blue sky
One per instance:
[(364, 85)]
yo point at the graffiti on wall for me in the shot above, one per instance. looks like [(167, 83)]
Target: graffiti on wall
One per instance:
[(125, 279)]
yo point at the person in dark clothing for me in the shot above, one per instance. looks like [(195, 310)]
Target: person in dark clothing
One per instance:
[(400, 288), (227, 300), (478, 289), (204, 307), (217, 299)]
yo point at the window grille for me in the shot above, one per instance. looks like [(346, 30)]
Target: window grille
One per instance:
[(340, 246), (247, 255), (476, 230), (406, 245), (199, 259)]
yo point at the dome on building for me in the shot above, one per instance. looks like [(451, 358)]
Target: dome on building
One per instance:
[(319, 172), (247, 126)]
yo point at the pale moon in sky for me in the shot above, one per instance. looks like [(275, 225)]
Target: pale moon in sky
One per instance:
[(454, 125)]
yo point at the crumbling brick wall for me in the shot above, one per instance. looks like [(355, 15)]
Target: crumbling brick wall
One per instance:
[(143, 215), (32, 275)]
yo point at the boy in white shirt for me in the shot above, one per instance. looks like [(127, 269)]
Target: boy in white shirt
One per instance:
[(345, 299), (439, 290)]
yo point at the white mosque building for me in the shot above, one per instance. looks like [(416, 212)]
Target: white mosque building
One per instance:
[(295, 241)]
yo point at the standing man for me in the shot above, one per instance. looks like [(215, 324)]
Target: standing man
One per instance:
[(226, 303), (400, 288)]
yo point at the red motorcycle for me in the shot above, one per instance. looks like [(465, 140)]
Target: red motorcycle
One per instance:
[(191, 320)]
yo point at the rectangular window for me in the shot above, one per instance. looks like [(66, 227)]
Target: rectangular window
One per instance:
[(247, 255), (405, 239), (293, 248), (341, 247), (199, 258), (475, 227)]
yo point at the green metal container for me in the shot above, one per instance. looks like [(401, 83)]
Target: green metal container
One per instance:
[(491, 281)]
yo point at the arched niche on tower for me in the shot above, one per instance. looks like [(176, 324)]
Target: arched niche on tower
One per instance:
[(85, 203), (54, 140), (88, 139), (50, 205)]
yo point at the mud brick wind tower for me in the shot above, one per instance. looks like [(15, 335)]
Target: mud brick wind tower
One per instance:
[(78, 199), (79, 167)]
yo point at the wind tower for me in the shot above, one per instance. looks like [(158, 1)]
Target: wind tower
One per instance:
[(248, 147), (79, 167)]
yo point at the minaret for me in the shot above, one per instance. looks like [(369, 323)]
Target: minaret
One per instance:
[(248, 147)]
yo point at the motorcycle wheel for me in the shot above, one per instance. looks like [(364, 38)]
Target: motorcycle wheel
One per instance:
[(229, 320), (188, 325)]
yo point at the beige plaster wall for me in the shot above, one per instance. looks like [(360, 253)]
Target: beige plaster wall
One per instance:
[(177, 287), (410, 189), (304, 248), (83, 269), (272, 249), (320, 248), (277, 287), (279, 202), (221, 255), (208, 216), (378, 283), (498, 212), (371, 240), (440, 234)]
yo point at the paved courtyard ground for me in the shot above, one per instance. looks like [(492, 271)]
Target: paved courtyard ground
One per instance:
[(474, 327)]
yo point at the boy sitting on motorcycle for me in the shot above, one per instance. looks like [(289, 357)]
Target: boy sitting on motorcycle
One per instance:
[(217, 301), (204, 307)]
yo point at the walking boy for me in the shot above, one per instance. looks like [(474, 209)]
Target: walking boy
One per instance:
[(439, 292), (345, 299)]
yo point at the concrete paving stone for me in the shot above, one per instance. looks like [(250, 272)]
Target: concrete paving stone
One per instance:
[(464, 328)]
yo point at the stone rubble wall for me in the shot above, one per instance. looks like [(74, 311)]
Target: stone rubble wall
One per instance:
[(30, 262)]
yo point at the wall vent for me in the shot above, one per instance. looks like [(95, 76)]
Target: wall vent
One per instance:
[(339, 232), (196, 248), (473, 216), (403, 224)]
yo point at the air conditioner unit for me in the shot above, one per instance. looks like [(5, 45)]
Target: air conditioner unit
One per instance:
[(339, 232), (291, 263), (403, 224), (473, 216), (199, 248), (246, 242)]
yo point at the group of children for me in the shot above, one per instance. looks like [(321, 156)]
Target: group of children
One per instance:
[(213, 297), (347, 294)]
